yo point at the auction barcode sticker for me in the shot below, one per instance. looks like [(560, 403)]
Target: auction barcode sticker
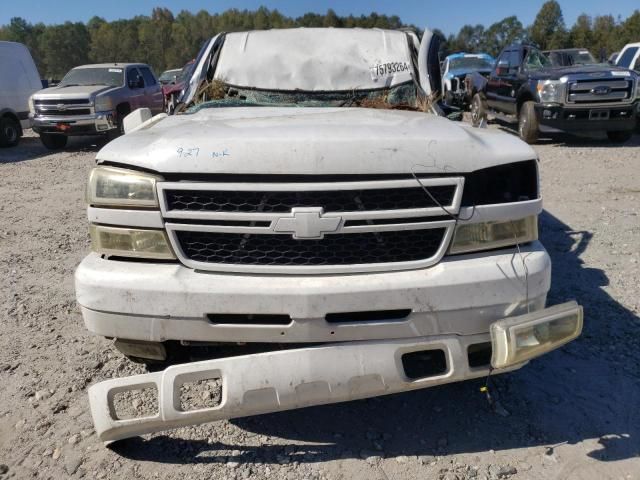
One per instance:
[(388, 69)]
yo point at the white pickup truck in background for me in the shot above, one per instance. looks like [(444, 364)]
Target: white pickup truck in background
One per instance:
[(311, 217)]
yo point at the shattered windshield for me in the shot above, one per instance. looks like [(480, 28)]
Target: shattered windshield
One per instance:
[(536, 60), (113, 77), (470, 63), (217, 94)]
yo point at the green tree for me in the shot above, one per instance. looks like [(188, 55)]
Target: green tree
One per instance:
[(469, 39), (629, 30), (581, 34), (548, 29), (64, 47), (605, 34), (155, 38), (502, 33)]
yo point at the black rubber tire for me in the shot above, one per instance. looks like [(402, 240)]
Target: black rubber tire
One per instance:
[(619, 136), (119, 130), (54, 141), (528, 122), (478, 110), (9, 132)]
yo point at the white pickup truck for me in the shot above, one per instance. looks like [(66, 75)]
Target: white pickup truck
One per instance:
[(310, 203)]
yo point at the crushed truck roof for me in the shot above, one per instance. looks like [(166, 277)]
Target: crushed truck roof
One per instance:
[(344, 60)]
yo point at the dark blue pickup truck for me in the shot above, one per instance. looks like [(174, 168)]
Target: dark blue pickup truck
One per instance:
[(524, 87)]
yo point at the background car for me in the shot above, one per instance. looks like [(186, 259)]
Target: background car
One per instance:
[(455, 69), (19, 78), (629, 57), (169, 76), (93, 100), (173, 89)]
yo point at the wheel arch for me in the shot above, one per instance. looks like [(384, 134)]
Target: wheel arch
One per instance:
[(8, 113), (524, 96)]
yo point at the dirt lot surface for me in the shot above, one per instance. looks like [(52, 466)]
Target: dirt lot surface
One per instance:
[(574, 414)]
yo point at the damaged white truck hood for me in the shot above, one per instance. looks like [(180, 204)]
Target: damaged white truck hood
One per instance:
[(290, 140)]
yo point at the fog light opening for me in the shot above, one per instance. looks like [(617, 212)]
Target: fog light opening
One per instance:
[(479, 355), (424, 364)]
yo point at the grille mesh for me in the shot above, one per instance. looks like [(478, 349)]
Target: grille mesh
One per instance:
[(331, 201), (335, 249)]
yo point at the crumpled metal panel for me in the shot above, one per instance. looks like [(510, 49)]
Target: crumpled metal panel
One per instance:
[(323, 59)]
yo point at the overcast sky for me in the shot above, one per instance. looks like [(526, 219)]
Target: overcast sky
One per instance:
[(433, 14)]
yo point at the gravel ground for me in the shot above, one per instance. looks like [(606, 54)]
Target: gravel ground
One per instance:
[(573, 414)]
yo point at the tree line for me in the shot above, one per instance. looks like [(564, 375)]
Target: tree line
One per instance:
[(167, 41), (602, 34), (161, 40)]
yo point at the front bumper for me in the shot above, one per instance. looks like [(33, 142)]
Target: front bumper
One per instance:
[(284, 380), (608, 118), (72, 125), (461, 295)]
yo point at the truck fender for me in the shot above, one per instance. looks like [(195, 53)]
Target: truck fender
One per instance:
[(523, 96)]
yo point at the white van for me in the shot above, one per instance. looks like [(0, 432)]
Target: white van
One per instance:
[(19, 79)]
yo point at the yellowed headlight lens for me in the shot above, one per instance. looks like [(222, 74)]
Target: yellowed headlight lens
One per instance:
[(117, 187), (518, 339), (129, 242), (472, 237)]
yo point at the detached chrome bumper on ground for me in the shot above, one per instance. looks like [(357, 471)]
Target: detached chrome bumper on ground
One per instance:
[(284, 380)]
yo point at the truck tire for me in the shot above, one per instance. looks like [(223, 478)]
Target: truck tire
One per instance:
[(53, 141), (528, 122), (9, 132), (122, 111), (478, 110), (619, 136)]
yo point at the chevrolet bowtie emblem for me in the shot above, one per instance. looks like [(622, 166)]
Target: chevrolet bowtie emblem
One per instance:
[(307, 223)]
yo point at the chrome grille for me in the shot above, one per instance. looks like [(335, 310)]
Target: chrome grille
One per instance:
[(303, 228), (600, 91), (63, 107)]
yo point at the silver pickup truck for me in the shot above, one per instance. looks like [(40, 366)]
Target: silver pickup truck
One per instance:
[(93, 100)]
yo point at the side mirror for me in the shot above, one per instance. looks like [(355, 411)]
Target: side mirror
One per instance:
[(502, 68)]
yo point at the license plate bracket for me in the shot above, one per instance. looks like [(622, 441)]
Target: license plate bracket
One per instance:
[(599, 114)]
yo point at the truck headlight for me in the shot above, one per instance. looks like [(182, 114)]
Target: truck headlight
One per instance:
[(518, 339), (32, 108), (472, 237), (103, 104), (551, 91), (130, 242), (117, 187)]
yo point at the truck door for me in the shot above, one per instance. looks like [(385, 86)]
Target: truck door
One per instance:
[(504, 83), (152, 91), (135, 84), (494, 82)]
